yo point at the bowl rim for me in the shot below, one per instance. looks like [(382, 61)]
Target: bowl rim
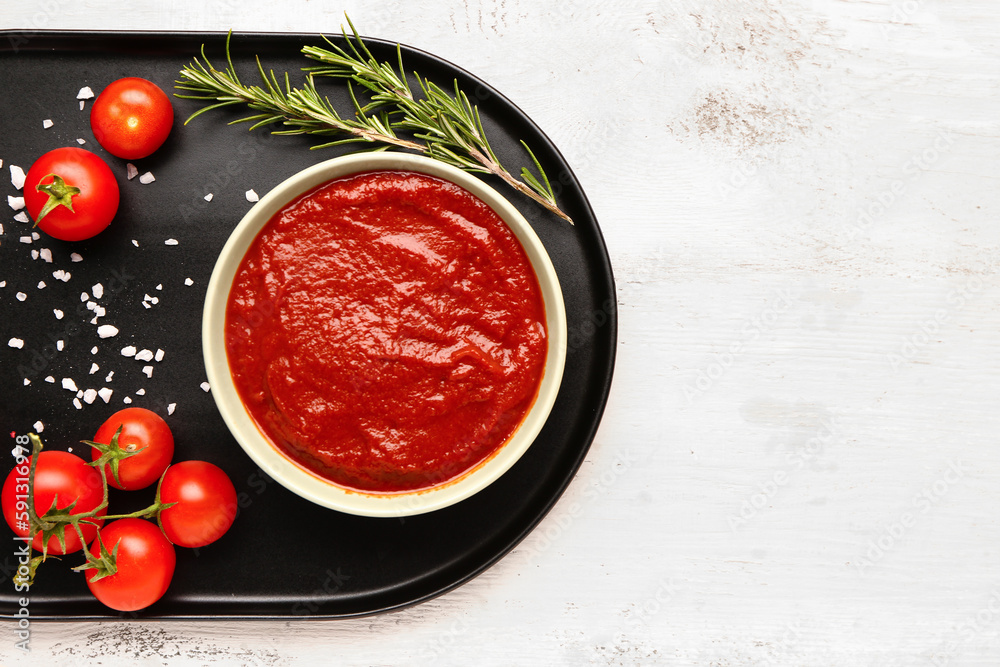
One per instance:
[(279, 466)]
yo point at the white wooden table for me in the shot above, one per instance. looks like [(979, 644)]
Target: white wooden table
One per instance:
[(799, 464)]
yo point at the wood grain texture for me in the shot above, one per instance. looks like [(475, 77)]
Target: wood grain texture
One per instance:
[(799, 464)]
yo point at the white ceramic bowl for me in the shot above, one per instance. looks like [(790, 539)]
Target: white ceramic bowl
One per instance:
[(297, 478)]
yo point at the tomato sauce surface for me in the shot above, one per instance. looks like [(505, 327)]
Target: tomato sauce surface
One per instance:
[(386, 331)]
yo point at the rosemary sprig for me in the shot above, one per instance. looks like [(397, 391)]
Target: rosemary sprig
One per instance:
[(444, 126), (302, 110)]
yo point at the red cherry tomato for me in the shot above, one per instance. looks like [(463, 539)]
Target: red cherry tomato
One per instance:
[(145, 565), (145, 432), (206, 503), (131, 118), (58, 475), (71, 194)]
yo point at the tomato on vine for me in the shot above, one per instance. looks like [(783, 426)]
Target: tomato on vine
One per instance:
[(135, 446), (205, 503), (131, 118), (71, 194), (63, 481), (130, 565)]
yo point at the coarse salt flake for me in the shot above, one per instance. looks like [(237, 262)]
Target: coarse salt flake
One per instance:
[(25, 239), (16, 342), (16, 176), (21, 216), (144, 355), (171, 408), (21, 296), (145, 304), (159, 355), (93, 350), (50, 379), (77, 404), (148, 370), (209, 196), (91, 305), (105, 393), (252, 196), (140, 392), (41, 284), (84, 297), (79, 393), (188, 282), (160, 286), (170, 242), (135, 243), (34, 254), (94, 368), (82, 104), (85, 93), (111, 374), (128, 351), (62, 275), (147, 178), (89, 396), (99, 311), (35, 236), (75, 257), (67, 383), (16, 203), (97, 290), (81, 141), (58, 313), (205, 386), (60, 344), (39, 426), (127, 400), (46, 254), (107, 331), (26, 382), (47, 123), (130, 171)]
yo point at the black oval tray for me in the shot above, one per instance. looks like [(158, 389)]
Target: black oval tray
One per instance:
[(284, 557)]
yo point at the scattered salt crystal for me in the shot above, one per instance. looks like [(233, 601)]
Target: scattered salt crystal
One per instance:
[(105, 394), (89, 396), (34, 254), (79, 393), (21, 216), (145, 304), (60, 344), (16, 176), (140, 392), (146, 297), (93, 320), (16, 203), (26, 382), (82, 104), (41, 284), (67, 383), (39, 426), (144, 355), (58, 313), (170, 242), (209, 196), (45, 254), (94, 368), (99, 311), (159, 355), (148, 370), (97, 290), (81, 141), (130, 171), (85, 93), (188, 282), (160, 286), (127, 400), (47, 123), (50, 379), (93, 350), (84, 296), (75, 257), (154, 300), (35, 236), (62, 275), (21, 296), (252, 196), (171, 408), (25, 239), (78, 404), (111, 374), (16, 342), (135, 243), (107, 331), (128, 351), (91, 305), (147, 178), (205, 386), (3, 283)]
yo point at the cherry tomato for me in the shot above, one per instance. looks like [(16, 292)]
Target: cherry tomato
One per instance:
[(71, 194), (145, 565), (58, 475), (131, 118), (206, 503), (145, 432)]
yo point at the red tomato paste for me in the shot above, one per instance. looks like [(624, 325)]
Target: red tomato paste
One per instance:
[(386, 331)]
